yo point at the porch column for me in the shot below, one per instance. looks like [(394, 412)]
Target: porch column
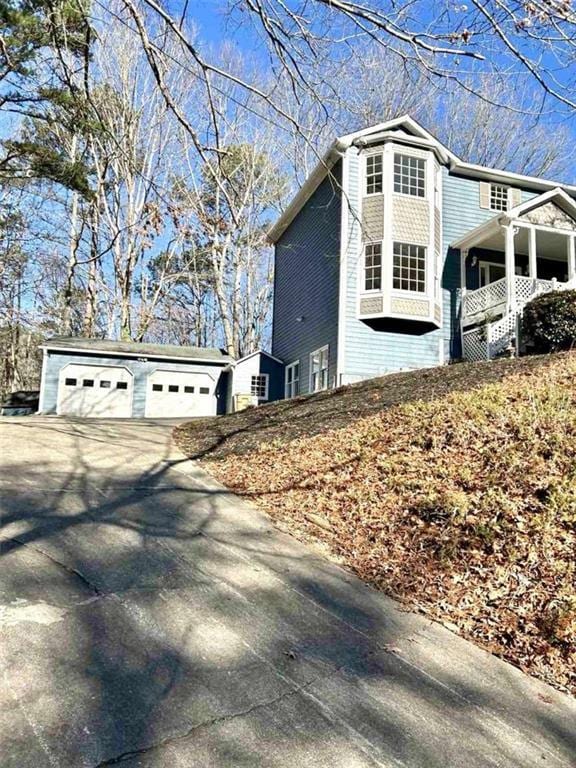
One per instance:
[(571, 258), (463, 257), (510, 262), (532, 256)]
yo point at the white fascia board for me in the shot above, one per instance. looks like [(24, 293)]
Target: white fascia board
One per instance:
[(258, 352), (109, 352), (307, 189), (507, 177), (479, 233), (442, 153), (554, 194)]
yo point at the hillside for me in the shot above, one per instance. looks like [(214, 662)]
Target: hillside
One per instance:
[(452, 489)]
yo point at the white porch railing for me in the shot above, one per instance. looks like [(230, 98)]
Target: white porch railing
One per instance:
[(492, 339), (491, 299)]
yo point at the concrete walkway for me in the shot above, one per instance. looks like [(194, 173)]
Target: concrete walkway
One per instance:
[(148, 618)]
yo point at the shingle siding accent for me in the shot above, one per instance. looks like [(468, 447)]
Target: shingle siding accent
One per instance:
[(306, 282), (410, 220), (140, 371), (370, 351), (373, 218)]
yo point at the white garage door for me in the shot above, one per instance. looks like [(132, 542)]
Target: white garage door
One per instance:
[(90, 390), (174, 394)]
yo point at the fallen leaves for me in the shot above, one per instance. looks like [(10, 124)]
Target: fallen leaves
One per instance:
[(461, 504)]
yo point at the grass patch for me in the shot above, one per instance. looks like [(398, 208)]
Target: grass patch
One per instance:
[(453, 490)]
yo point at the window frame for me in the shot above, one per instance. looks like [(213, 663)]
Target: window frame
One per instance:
[(505, 197), (322, 353), (414, 292), (266, 378), (295, 381), (374, 174), (373, 244), (424, 179)]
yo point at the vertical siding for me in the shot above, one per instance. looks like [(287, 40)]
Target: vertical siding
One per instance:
[(140, 371), (306, 282), (371, 351)]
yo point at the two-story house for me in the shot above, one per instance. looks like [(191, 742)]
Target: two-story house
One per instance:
[(395, 254)]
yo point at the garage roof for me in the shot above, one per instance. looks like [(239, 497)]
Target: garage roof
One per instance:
[(135, 349)]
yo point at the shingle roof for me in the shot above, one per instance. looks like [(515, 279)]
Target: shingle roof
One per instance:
[(132, 348)]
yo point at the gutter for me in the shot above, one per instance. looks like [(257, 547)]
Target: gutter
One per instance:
[(112, 353), (327, 162)]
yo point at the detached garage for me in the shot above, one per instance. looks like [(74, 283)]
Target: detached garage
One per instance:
[(101, 378)]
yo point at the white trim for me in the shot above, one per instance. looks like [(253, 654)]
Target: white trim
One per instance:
[(43, 381), (258, 352), (109, 353), (345, 201), (320, 351), (294, 364), (545, 197), (376, 132), (266, 377)]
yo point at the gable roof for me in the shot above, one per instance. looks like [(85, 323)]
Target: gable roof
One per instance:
[(402, 129), (556, 196), (135, 349), (259, 352)]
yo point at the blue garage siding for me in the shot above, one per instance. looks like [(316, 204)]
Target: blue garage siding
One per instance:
[(306, 282), (369, 351), (55, 361)]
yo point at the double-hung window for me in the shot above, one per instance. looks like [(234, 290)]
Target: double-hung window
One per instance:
[(373, 267), (409, 267), (292, 381), (319, 369), (409, 175), (374, 174), (259, 386)]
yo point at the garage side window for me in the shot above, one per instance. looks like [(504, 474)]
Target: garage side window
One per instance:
[(71, 382), (259, 386), (121, 385)]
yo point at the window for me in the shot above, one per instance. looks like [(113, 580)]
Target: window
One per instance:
[(373, 267), (157, 387), (173, 388), (409, 267), (498, 197), (319, 369), (204, 390), (189, 390), (410, 175), (373, 174), (121, 385), (292, 380), (88, 383), (259, 386), (105, 384), (70, 382)]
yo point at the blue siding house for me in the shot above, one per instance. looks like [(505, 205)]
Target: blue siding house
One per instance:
[(395, 255)]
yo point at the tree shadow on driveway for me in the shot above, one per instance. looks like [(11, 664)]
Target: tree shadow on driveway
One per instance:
[(149, 618)]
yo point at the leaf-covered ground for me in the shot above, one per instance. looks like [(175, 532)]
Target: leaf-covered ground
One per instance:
[(453, 490)]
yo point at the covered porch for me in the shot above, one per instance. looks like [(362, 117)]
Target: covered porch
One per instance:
[(517, 255)]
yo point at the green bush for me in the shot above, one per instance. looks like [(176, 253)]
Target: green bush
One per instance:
[(549, 322)]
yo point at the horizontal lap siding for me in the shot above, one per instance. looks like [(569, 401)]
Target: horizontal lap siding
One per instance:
[(306, 282), (254, 366), (461, 212), (371, 352), (139, 370)]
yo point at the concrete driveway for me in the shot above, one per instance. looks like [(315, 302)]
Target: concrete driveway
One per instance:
[(148, 618)]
